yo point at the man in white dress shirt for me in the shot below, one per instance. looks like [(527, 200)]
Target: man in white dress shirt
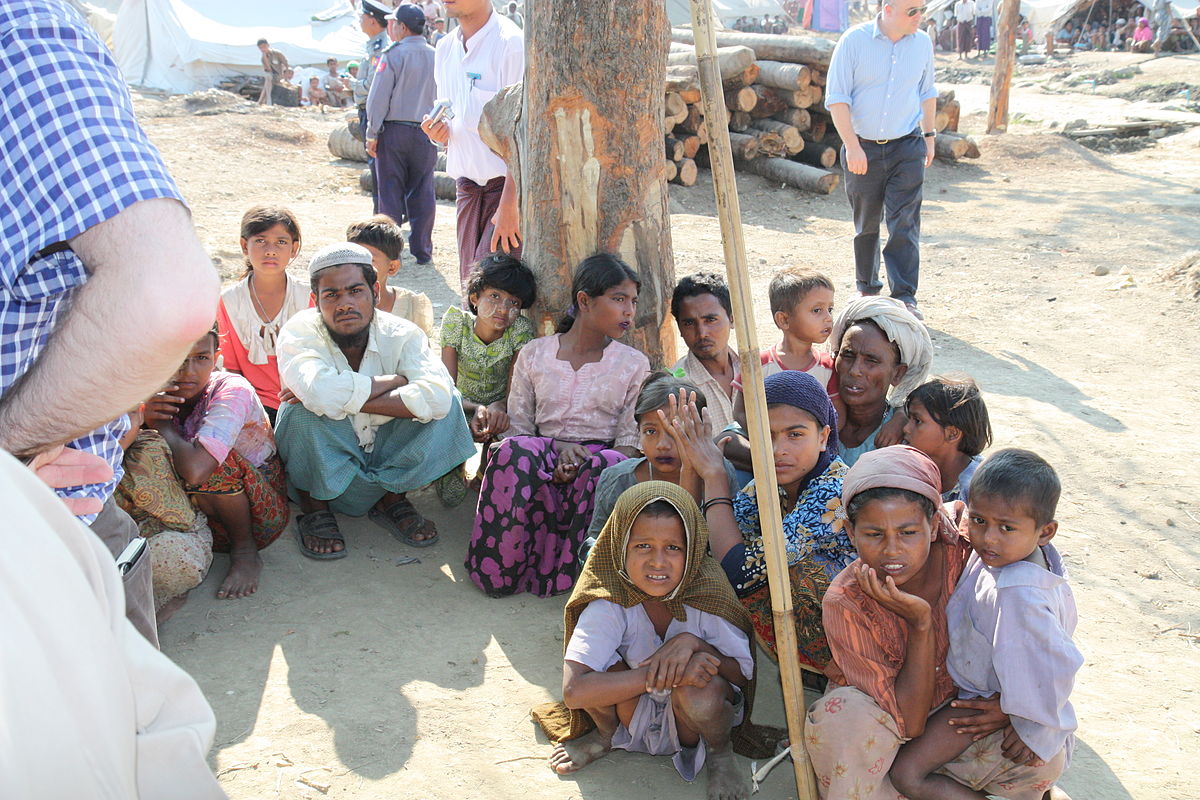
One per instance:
[(369, 410), (485, 53)]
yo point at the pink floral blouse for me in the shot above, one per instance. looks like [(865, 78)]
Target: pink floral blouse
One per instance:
[(229, 416)]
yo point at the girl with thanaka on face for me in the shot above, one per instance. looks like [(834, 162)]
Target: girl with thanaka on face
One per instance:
[(882, 352), (657, 651), (223, 449), (809, 473), (885, 617), (252, 311), (571, 416)]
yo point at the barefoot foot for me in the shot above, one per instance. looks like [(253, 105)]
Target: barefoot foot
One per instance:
[(242, 580), (723, 780), (578, 753), (170, 607)]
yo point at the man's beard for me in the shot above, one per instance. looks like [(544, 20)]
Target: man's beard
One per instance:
[(352, 341)]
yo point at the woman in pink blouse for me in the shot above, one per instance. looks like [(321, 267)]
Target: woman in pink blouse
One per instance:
[(224, 451), (571, 416)]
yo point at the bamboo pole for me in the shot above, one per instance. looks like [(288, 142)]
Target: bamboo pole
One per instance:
[(759, 433)]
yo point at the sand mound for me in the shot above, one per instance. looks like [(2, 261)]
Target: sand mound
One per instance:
[(1012, 150), (1186, 274), (280, 131)]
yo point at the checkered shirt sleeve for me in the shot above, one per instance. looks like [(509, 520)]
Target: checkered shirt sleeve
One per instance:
[(73, 156)]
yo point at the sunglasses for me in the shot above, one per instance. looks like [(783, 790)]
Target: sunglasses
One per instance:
[(912, 12)]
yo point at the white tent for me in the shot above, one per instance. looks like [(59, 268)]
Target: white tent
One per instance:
[(189, 45), (726, 11), (1046, 15)]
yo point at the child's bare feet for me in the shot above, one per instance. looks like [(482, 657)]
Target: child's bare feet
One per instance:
[(578, 753), (723, 780), (242, 580), (170, 607)]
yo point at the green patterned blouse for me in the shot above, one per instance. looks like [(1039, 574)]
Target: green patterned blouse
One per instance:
[(483, 368)]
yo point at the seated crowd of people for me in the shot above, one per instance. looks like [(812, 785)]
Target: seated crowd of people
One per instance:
[(920, 572)]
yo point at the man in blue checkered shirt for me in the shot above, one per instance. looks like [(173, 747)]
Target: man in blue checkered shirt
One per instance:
[(103, 283)]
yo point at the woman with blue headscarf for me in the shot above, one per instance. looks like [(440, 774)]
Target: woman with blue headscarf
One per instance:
[(809, 472)]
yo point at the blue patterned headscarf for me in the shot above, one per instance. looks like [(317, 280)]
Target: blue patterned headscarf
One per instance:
[(794, 388)]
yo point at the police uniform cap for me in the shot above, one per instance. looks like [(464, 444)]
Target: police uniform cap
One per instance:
[(410, 17)]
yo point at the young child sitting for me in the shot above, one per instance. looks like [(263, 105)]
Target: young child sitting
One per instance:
[(658, 648), (384, 239), (479, 347), (948, 421), (316, 95), (223, 448), (802, 308), (252, 310), (1010, 620)]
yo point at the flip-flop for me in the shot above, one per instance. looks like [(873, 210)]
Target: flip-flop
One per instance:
[(323, 525), (402, 520)]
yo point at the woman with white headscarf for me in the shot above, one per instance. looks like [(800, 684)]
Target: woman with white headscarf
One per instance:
[(882, 352)]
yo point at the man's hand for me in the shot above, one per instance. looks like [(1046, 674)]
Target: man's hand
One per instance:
[(61, 467), (930, 148), (438, 132), (856, 158), (989, 719), (506, 221), (371, 145), (287, 397)]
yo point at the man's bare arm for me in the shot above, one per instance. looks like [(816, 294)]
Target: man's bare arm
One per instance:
[(151, 293)]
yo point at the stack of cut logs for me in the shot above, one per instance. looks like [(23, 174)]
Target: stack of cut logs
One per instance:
[(774, 90)]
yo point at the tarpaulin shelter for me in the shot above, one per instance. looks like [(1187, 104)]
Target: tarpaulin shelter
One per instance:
[(1048, 15), (189, 45), (727, 11)]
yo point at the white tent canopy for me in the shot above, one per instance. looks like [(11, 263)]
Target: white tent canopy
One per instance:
[(680, 11), (189, 45), (1045, 15)]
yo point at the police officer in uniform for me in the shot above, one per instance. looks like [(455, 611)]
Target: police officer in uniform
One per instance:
[(402, 92), (374, 24)]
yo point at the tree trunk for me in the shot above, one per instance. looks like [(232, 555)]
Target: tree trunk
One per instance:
[(743, 99), (744, 147), (770, 47), (1006, 50), (584, 136), (801, 176), (686, 174), (818, 154), (674, 148), (949, 148), (732, 60), (343, 145), (739, 121), (798, 118)]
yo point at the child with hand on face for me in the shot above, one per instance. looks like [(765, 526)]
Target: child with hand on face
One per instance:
[(384, 240), (1010, 620), (658, 648)]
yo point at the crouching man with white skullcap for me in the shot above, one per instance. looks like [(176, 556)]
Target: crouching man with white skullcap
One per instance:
[(368, 413)]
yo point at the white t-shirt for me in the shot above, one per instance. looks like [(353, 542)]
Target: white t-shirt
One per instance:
[(964, 10), (469, 75)]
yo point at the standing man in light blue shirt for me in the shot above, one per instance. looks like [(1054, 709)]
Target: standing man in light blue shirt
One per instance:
[(882, 99), (373, 23)]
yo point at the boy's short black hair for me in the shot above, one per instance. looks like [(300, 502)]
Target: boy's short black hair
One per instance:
[(1020, 477), (698, 284), (956, 400), (380, 232), (790, 285), (887, 493), (505, 272), (261, 42)]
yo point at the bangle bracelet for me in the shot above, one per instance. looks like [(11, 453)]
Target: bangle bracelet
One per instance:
[(716, 501)]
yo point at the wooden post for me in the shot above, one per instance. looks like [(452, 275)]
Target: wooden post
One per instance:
[(759, 433), (1006, 52), (584, 135)]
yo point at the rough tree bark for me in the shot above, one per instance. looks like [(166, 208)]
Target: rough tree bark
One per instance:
[(584, 136)]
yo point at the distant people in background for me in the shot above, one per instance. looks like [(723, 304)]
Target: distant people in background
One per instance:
[(1143, 37), (438, 32), (373, 23), (336, 87), (964, 17), (352, 71), (275, 67), (984, 10), (1121, 30), (1161, 11), (511, 11), (316, 95), (1024, 35)]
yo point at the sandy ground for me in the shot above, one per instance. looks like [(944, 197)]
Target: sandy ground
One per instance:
[(362, 678)]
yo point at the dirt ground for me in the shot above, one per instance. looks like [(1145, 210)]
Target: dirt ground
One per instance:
[(362, 678)]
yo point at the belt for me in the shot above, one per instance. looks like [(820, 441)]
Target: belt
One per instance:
[(409, 123), (886, 141)]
